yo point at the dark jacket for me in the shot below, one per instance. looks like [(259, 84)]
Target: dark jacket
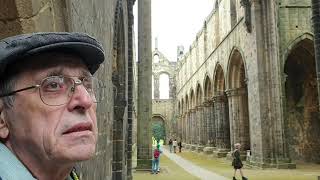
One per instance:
[(236, 162)]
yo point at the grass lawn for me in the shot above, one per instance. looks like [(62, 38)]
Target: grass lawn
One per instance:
[(224, 168), (169, 171)]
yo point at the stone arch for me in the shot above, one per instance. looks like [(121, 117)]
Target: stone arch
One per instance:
[(156, 58), (221, 112), (207, 88), (162, 121), (198, 95), (219, 81), (238, 101), (302, 121), (236, 76), (187, 103), (119, 80), (192, 99)]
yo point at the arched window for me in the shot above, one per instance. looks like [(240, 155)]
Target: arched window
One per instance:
[(156, 58), (164, 86)]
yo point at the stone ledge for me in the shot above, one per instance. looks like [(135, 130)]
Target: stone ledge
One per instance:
[(220, 153), (199, 148), (208, 150), (280, 165)]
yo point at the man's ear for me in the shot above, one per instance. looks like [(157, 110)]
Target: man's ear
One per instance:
[(4, 130)]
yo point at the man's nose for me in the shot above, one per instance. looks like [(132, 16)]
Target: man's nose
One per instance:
[(80, 97)]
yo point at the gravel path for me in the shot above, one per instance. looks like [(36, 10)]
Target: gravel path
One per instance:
[(192, 168)]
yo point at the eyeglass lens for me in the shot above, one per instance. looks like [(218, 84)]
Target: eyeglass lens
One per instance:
[(58, 90)]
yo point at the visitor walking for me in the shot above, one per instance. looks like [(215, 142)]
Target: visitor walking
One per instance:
[(236, 162), (180, 146), (175, 144), (170, 145), (156, 160)]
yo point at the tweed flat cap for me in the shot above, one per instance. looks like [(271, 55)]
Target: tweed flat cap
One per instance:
[(14, 48)]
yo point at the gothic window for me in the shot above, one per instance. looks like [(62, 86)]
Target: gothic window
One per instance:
[(164, 86)]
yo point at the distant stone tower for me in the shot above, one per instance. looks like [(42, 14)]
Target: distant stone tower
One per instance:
[(180, 52)]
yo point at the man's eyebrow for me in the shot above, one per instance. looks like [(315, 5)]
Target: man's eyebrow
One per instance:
[(55, 72), (85, 73)]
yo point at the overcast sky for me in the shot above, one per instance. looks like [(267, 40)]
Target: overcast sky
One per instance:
[(176, 22)]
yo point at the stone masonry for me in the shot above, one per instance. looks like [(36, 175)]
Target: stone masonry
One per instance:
[(249, 77)]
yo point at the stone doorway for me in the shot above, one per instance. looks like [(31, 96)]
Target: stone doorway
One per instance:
[(302, 122)]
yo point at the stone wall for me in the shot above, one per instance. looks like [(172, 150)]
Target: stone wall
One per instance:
[(242, 50)]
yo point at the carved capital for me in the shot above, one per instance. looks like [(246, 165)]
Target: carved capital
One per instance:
[(219, 98), (236, 92)]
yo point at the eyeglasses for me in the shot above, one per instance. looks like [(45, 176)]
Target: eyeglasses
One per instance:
[(58, 90)]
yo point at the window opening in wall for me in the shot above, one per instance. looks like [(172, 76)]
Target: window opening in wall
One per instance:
[(156, 58), (164, 86)]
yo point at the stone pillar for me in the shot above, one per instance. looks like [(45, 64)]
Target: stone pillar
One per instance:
[(239, 117), (144, 144), (210, 128), (193, 127), (188, 129), (222, 126), (156, 90), (200, 128)]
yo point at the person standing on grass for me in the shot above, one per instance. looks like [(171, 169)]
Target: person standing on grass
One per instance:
[(236, 162), (175, 144), (156, 159), (170, 145), (180, 146)]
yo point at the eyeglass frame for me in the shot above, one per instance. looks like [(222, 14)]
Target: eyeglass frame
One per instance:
[(76, 82)]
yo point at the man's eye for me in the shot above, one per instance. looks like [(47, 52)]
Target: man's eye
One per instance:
[(53, 86)]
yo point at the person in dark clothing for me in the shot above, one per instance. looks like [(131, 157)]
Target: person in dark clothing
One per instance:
[(170, 145), (180, 146), (236, 162)]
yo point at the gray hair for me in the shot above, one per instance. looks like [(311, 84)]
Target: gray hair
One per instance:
[(6, 86)]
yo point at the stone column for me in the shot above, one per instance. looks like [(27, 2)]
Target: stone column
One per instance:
[(156, 90), (144, 143), (193, 128), (239, 117), (188, 132), (200, 128), (222, 126), (210, 128)]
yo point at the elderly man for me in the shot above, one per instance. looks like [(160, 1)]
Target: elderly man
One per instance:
[(48, 99)]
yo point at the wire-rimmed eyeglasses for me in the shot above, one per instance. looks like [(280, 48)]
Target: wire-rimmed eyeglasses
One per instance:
[(58, 90)]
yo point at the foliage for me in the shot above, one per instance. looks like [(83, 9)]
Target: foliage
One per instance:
[(158, 131)]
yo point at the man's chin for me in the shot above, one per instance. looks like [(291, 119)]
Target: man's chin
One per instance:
[(80, 153)]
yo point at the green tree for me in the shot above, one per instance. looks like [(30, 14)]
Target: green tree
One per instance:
[(158, 131)]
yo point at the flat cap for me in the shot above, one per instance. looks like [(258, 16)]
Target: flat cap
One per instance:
[(13, 49)]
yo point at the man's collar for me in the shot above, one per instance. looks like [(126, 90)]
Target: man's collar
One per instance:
[(11, 168)]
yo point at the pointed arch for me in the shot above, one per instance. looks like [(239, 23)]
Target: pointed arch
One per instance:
[(237, 73), (199, 95), (301, 100), (219, 81), (207, 88)]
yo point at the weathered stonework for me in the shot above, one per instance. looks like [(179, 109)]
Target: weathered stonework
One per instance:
[(252, 60)]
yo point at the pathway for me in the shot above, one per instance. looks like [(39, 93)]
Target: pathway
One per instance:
[(192, 168)]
